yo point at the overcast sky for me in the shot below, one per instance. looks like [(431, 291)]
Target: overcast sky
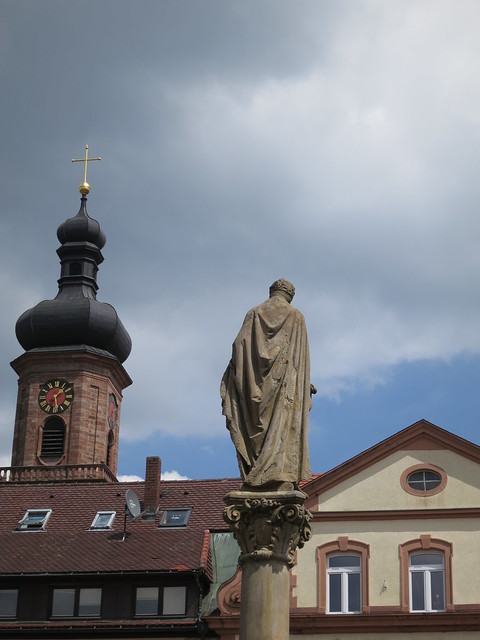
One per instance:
[(332, 143)]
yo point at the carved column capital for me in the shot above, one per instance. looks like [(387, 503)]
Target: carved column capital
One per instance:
[(268, 526)]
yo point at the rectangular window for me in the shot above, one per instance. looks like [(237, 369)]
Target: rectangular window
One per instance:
[(103, 520), (344, 583), (34, 520), (335, 588), (175, 517), (8, 603), (75, 602), (161, 601), (427, 582), (147, 601), (174, 599), (89, 603), (63, 604)]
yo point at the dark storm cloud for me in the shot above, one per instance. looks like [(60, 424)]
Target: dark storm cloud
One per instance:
[(332, 143)]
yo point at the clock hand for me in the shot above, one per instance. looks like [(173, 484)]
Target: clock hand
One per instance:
[(55, 397)]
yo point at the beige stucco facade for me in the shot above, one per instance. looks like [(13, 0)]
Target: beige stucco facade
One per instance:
[(378, 489), (372, 507), (383, 539)]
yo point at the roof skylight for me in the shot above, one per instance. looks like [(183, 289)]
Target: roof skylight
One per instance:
[(103, 520), (34, 520), (175, 517)]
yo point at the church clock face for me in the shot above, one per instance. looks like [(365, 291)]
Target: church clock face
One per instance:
[(55, 396)]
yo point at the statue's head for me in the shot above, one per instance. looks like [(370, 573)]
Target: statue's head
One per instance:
[(284, 288)]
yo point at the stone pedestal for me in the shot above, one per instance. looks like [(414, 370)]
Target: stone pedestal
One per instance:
[(268, 526)]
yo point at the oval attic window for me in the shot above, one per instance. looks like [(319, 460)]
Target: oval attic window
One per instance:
[(424, 480)]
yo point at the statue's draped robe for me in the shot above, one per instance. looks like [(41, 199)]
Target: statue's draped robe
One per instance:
[(266, 394)]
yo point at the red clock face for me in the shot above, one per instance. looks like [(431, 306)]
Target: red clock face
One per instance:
[(55, 396)]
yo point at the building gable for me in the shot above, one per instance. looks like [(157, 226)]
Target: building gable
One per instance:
[(377, 478)]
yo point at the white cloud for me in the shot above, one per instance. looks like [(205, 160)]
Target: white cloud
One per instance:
[(130, 478), (173, 475)]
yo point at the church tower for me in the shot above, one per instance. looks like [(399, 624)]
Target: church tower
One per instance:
[(71, 377)]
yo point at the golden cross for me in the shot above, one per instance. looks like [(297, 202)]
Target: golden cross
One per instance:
[(84, 188)]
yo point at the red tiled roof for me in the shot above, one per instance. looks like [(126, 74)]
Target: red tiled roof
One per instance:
[(67, 545)]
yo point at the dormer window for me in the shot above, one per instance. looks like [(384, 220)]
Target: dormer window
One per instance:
[(175, 517), (34, 520), (103, 520)]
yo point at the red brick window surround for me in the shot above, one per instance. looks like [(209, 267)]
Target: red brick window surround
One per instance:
[(342, 545), (428, 471), (426, 544)]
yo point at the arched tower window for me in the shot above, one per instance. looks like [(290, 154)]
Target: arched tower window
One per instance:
[(53, 439)]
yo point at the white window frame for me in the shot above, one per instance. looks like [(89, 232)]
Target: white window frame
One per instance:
[(344, 572), (427, 569), (28, 523), (108, 526)]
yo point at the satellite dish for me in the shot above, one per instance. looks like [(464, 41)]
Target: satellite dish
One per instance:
[(132, 504)]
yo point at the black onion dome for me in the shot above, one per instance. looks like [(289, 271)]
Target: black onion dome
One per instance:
[(75, 317), (76, 321), (81, 228)]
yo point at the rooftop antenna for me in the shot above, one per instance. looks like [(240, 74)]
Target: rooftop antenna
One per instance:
[(132, 509)]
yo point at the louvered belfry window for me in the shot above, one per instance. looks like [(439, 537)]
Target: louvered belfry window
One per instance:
[(53, 439)]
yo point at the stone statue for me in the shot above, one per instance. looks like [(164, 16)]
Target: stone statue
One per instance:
[(266, 394)]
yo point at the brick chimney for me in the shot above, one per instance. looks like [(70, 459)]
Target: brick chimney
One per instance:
[(153, 469)]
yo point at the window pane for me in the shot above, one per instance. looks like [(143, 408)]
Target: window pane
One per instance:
[(422, 559), (344, 561), (147, 601), (103, 520), (416, 477), (90, 602), (175, 517), (63, 602), (438, 599), (34, 519), (8, 603), (418, 592), (432, 479), (354, 592), (174, 601), (335, 600)]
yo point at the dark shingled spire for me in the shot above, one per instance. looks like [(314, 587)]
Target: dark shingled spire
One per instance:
[(75, 316)]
